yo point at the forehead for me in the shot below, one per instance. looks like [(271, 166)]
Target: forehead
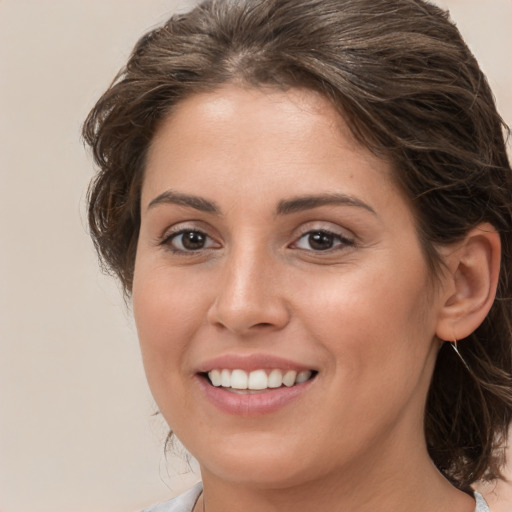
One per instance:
[(241, 134), (232, 113)]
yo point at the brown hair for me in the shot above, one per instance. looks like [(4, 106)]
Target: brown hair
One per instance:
[(410, 90)]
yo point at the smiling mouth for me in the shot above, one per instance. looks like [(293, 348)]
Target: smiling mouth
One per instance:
[(257, 381)]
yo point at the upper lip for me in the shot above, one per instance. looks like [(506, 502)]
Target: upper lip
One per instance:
[(251, 362)]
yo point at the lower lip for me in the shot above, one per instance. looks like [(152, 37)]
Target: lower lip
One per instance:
[(255, 404)]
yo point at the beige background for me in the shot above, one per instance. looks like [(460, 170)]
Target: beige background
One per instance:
[(76, 426)]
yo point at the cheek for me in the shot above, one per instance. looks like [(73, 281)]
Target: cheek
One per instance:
[(167, 314), (371, 320), (377, 344), (166, 306)]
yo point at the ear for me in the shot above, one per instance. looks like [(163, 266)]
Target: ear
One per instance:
[(470, 283)]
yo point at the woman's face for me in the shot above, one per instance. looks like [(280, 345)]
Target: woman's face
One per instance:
[(275, 248)]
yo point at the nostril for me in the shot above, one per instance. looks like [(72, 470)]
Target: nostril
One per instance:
[(242, 305)]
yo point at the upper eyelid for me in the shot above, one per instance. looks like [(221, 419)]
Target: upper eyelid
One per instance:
[(189, 225), (168, 238), (333, 231), (346, 237), (327, 226), (306, 227), (169, 235), (344, 240)]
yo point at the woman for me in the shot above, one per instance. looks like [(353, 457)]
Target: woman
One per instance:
[(308, 202)]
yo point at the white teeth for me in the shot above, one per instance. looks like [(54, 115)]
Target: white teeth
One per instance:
[(239, 379), (289, 378), (257, 379), (275, 379), (225, 379), (215, 377), (303, 377)]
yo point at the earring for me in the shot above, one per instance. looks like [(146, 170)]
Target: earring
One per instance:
[(454, 346)]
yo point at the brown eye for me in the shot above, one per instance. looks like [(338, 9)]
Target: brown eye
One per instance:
[(322, 240), (193, 240), (189, 240)]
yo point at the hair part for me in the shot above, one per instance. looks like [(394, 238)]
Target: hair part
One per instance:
[(410, 90)]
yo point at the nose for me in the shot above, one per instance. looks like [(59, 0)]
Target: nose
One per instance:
[(250, 296)]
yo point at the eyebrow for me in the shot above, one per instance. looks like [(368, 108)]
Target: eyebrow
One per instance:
[(198, 203), (303, 203), (284, 207)]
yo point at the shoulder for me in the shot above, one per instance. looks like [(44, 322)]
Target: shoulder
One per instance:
[(183, 503)]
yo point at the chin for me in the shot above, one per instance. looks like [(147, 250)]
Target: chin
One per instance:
[(256, 461), (265, 472)]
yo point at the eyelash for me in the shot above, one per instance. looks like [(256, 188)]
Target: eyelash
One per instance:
[(338, 241), (168, 239), (344, 242)]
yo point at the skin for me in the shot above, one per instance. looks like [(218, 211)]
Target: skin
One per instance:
[(363, 313)]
